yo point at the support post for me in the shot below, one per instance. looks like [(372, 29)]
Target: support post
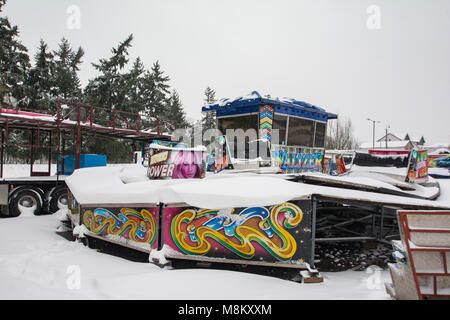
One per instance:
[(2, 153), (313, 231), (50, 154), (31, 152), (78, 140), (160, 226)]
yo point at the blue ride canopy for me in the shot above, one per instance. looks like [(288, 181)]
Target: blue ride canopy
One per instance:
[(251, 103)]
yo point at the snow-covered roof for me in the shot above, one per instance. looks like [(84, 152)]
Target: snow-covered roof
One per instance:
[(389, 134), (45, 121), (158, 146), (382, 144), (440, 151), (413, 137), (118, 185), (439, 145), (249, 103)]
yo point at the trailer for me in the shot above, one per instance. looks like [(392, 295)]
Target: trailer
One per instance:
[(264, 211), (244, 219), (268, 211), (42, 192)]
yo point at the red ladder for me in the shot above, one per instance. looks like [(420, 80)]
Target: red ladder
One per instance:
[(436, 233)]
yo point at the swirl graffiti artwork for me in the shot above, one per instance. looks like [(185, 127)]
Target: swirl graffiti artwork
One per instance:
[(252, 231), (138, 226)]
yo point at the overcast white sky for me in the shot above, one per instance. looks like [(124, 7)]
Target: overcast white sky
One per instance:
[(319, 51)]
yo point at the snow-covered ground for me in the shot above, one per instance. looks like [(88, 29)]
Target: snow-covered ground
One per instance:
[(36, 262)]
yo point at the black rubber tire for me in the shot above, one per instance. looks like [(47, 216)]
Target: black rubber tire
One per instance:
[(20, 196), (55, 198)]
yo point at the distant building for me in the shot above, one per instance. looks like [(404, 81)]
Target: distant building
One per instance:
[(415, 140), (389, 137), (398, 145)]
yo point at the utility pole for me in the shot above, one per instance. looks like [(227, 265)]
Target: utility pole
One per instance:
[(373, 125), (387, 127)]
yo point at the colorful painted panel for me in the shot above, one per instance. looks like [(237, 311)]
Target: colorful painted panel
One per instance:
[(72, 203), (340, 164), (74, 208), (135, 226), (218, 162), (417, 166), (327, 165), (334, 165), (280, 233), (297, 159), (265, 122)]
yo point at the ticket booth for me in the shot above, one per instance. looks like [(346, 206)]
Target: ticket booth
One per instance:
[(293, 131)]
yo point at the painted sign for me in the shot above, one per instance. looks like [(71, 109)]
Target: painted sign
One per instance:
[(280, 233), (326, 165), (217, 161), (417, 166), (175, 163), (265, 122), (297, 159), (334, 165), (135, 226), (169, 144), (340, 164)]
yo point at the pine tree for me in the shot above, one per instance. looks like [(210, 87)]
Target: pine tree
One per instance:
[(156, 91), (115, 90), (2, 3), (209, 118), (133, 86), (175, 110), (14, 64), (66, 84), (39, 81), (107, 89)]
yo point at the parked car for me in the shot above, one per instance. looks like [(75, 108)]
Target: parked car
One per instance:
[(443, 162)]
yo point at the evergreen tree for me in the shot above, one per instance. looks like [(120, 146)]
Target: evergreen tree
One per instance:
[(133, 86), (209, 118), (66, 84), (175, 110), (39, 82), (14, 64), (54, 77), (107, 89), (156, 91), (115, 90)]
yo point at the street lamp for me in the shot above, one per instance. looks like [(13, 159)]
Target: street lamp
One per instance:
[(373, 125)]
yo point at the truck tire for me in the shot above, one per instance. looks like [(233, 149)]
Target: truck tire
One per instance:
[(25, 199), (58, 199)]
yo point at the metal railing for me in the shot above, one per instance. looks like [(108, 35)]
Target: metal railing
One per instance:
[(116, 120)]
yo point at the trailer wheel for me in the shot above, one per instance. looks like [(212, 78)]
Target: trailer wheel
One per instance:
[(25, 201), (58, 199)]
